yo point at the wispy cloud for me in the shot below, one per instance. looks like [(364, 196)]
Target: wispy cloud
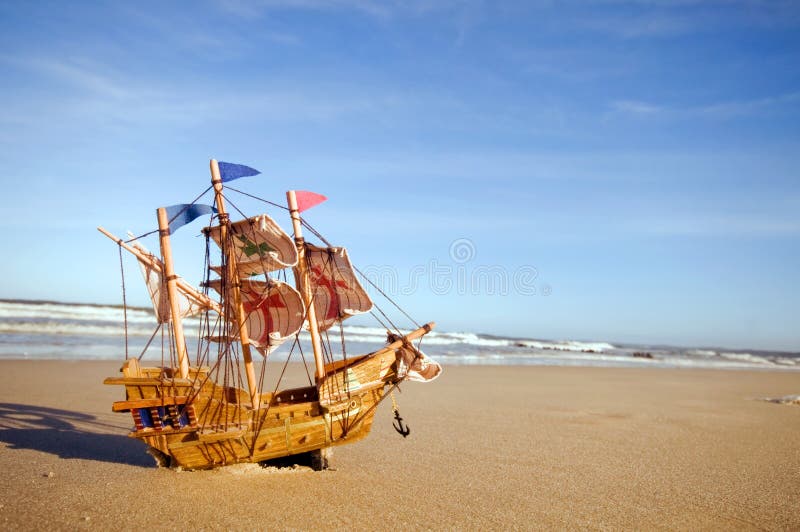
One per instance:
[(257, 8), (719, 110), (718, 225), (288, 39), (748, 107), (84, 89), (375, 8), (177, 30), (639, 25), (462, 15), (571, 63), (639, 19), (636, 107), (81, 74)]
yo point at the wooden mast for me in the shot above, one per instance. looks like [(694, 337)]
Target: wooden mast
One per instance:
[(235, 286), (304, 286), (172, 292)]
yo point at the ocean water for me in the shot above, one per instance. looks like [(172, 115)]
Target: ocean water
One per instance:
[(51, 330)]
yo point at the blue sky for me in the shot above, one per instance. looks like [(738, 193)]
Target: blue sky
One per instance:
[(641, 156)]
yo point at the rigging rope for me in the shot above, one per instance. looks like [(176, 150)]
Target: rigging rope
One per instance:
[(124, 299), (315, 232), (158, 328), (303, 356), (364, 276), (341, 335), (263, 417), (284, 207), (154, 231), (189, 204), (133, 239), (382, 324), (376, 287), (232, 204)]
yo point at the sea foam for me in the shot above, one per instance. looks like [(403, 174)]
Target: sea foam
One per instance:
[(81, 331)]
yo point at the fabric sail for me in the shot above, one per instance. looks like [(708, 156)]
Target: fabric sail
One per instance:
[(260, 245), (336, 292), (274, 312), (415, 365), (157, 288)]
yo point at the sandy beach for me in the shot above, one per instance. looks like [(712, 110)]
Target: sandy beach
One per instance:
[(490, 447)]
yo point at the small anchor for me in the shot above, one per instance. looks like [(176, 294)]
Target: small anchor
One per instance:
[(403, 430)]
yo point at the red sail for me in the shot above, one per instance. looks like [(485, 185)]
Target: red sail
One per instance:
[(336, 292), (274, 312)]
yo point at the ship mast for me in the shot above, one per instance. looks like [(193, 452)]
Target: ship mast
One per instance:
[(304, 285), (172, 292), (235, 286)]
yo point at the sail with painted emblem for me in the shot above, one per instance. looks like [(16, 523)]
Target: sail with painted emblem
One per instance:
[(259, 244), (336, 292), (273, 310)]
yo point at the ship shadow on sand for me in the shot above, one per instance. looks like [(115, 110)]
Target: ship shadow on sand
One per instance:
[(67, 434)]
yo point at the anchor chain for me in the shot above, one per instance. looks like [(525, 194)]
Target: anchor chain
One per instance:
[(402, 429)]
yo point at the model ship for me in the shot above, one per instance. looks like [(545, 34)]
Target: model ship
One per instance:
[(214, 410)]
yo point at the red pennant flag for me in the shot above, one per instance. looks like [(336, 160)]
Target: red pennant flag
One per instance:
[(306, 200)]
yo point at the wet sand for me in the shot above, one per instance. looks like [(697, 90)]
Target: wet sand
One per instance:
[(490, 447)]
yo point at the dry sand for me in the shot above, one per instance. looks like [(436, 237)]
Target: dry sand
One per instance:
[(490, 447)]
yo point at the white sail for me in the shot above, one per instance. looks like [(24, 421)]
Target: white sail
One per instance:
[(336, 292), (157, 288), (414, 365), (274, 311), (259, 245)]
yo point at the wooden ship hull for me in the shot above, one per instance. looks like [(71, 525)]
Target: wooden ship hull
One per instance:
[(194, 423)]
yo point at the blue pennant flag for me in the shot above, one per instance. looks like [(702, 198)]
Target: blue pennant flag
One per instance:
[(230, 171), (183, 213)]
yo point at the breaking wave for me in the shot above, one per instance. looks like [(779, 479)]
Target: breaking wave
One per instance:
[(83, 331)]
